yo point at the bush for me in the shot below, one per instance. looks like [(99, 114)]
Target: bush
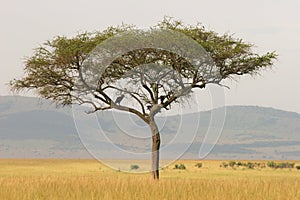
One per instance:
[(250, 165), (232, 164), (198, 165), (286, 165), (224, 164), (134, 167), (261, 165), (271, 164), (298, 167), (281, 165), (180, 166)]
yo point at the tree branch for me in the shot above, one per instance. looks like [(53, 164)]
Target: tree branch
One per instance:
[(144, 117), (130, 93), (147, 88)]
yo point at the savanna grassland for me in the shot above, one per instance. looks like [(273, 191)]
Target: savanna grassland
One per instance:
[(32, 179)]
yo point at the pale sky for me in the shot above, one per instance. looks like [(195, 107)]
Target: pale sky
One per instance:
[(271, 25)]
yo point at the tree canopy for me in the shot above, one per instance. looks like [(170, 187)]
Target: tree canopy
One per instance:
[(55, 65)]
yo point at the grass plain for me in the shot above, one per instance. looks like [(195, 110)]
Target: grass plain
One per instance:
[(37, 179)]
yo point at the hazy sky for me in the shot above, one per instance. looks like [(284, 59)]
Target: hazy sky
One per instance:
[(269, 24)]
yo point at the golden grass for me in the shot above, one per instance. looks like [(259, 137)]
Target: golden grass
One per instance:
[(88, 179)]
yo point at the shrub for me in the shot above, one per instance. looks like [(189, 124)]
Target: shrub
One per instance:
[(224, 164), (262, 165), (298, 167), (250, 165), (180, 166), (271, 164), (198, 165), (281, 165), (134, 167), (232, 164)]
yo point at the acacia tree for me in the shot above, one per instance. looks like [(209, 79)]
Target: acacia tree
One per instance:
[(57, 71)]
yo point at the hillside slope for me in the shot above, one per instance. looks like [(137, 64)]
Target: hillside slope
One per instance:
[(30, 127)]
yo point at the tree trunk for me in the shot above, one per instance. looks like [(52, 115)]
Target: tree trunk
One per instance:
[(155, 148)]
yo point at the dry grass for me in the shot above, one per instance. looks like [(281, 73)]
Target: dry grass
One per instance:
[(88, 179)]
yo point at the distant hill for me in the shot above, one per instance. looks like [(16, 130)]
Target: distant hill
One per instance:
[(31, 127)]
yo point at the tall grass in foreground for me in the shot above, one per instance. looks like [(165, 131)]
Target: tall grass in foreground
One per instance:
[(75, 179)]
